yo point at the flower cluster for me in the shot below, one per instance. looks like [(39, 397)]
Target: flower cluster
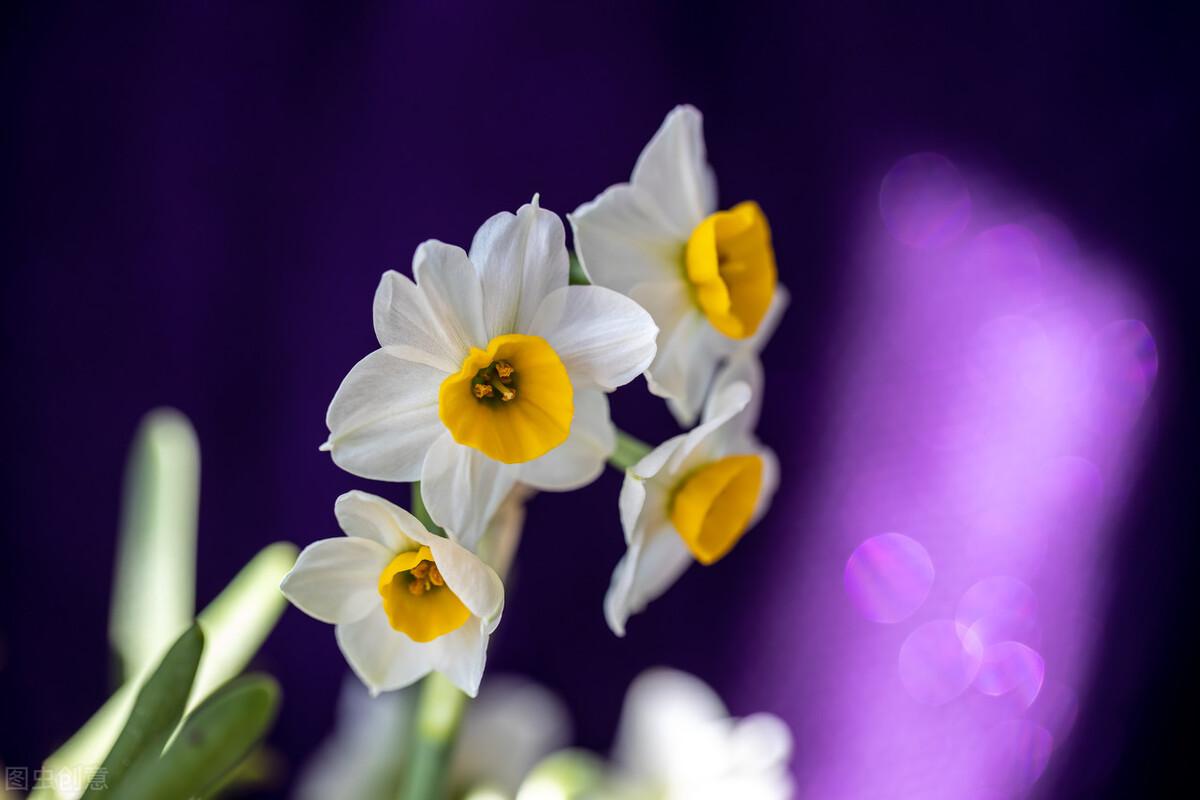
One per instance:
[(491, 383)]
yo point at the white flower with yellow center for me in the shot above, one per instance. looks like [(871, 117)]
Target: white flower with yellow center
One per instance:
[(406, 602), (706, 276), (694, 496), (491, 371)]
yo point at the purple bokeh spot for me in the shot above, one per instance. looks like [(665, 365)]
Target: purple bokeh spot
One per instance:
[(888, 577), (1124, 366), (1014, 669), (938, 661), (998, 609), (924, 201)]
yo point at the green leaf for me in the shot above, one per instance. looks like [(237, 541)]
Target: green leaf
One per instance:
[(156, 712), (235, 625), (154, 595), (214, 739)]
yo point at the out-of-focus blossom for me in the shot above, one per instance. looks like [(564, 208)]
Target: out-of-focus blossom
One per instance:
[(492, 371), (693, 496), (405, 602), (512, 725), (677, 741), (706, 276)]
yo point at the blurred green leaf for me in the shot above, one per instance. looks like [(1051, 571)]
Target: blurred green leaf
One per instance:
[(235, 625), (154, 596), (156, 712), (213, 740)]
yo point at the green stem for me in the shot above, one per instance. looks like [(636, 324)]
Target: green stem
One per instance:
[(577, 276), (436, 718), (431, 738), (629, 451), (422, 513)]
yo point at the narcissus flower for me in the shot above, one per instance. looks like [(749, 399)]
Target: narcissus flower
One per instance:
[(694, 496), (677, 741), (406, 602), (491, 371), (707, 276)]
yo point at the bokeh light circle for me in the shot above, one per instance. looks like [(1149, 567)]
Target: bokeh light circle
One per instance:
[(1124, 366), (924, 201), (888, 577), (938, 661), (998, 609), (1011, 668)]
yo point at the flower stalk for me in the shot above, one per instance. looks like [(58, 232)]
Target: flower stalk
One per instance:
[(630, 450), (436, 717)]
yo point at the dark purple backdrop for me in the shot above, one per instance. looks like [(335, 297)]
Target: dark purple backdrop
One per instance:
[(199, 202)]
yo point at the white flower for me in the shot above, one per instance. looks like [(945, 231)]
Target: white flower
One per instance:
[(677, 739), (693, 496), (405, 602), (512, 725), (492, 371), (706, 276)]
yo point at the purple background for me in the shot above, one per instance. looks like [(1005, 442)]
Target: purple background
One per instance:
[(199, 203)]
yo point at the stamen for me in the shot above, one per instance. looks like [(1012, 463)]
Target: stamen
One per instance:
[(435, 576), (506, 392), (504, 370), (421, 570), (482, 390), (418, 587)]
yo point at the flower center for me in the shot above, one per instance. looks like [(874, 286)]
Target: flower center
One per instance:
[(513, 401), (731, 267), (417, 600), (712, 507)]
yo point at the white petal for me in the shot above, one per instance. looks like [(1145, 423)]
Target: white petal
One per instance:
[(368, 516), (499, 543), (383, 658), (701, 443), (770, 482), (674, 171), (664, 710), (684, 365), (580, 459), (461, 655), (427, 322), (622, 240), (335, 580), (475, 583), (462, 488), (604, 339), (646, 571), (639, 486), (384, 417), (529, 719), (521, 258), (743, 367)]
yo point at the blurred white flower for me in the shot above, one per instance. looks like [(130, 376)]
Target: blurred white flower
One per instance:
[(405, 602), (707, 277), (677, 741), (512, 725), (693, 496), (491, 371)]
